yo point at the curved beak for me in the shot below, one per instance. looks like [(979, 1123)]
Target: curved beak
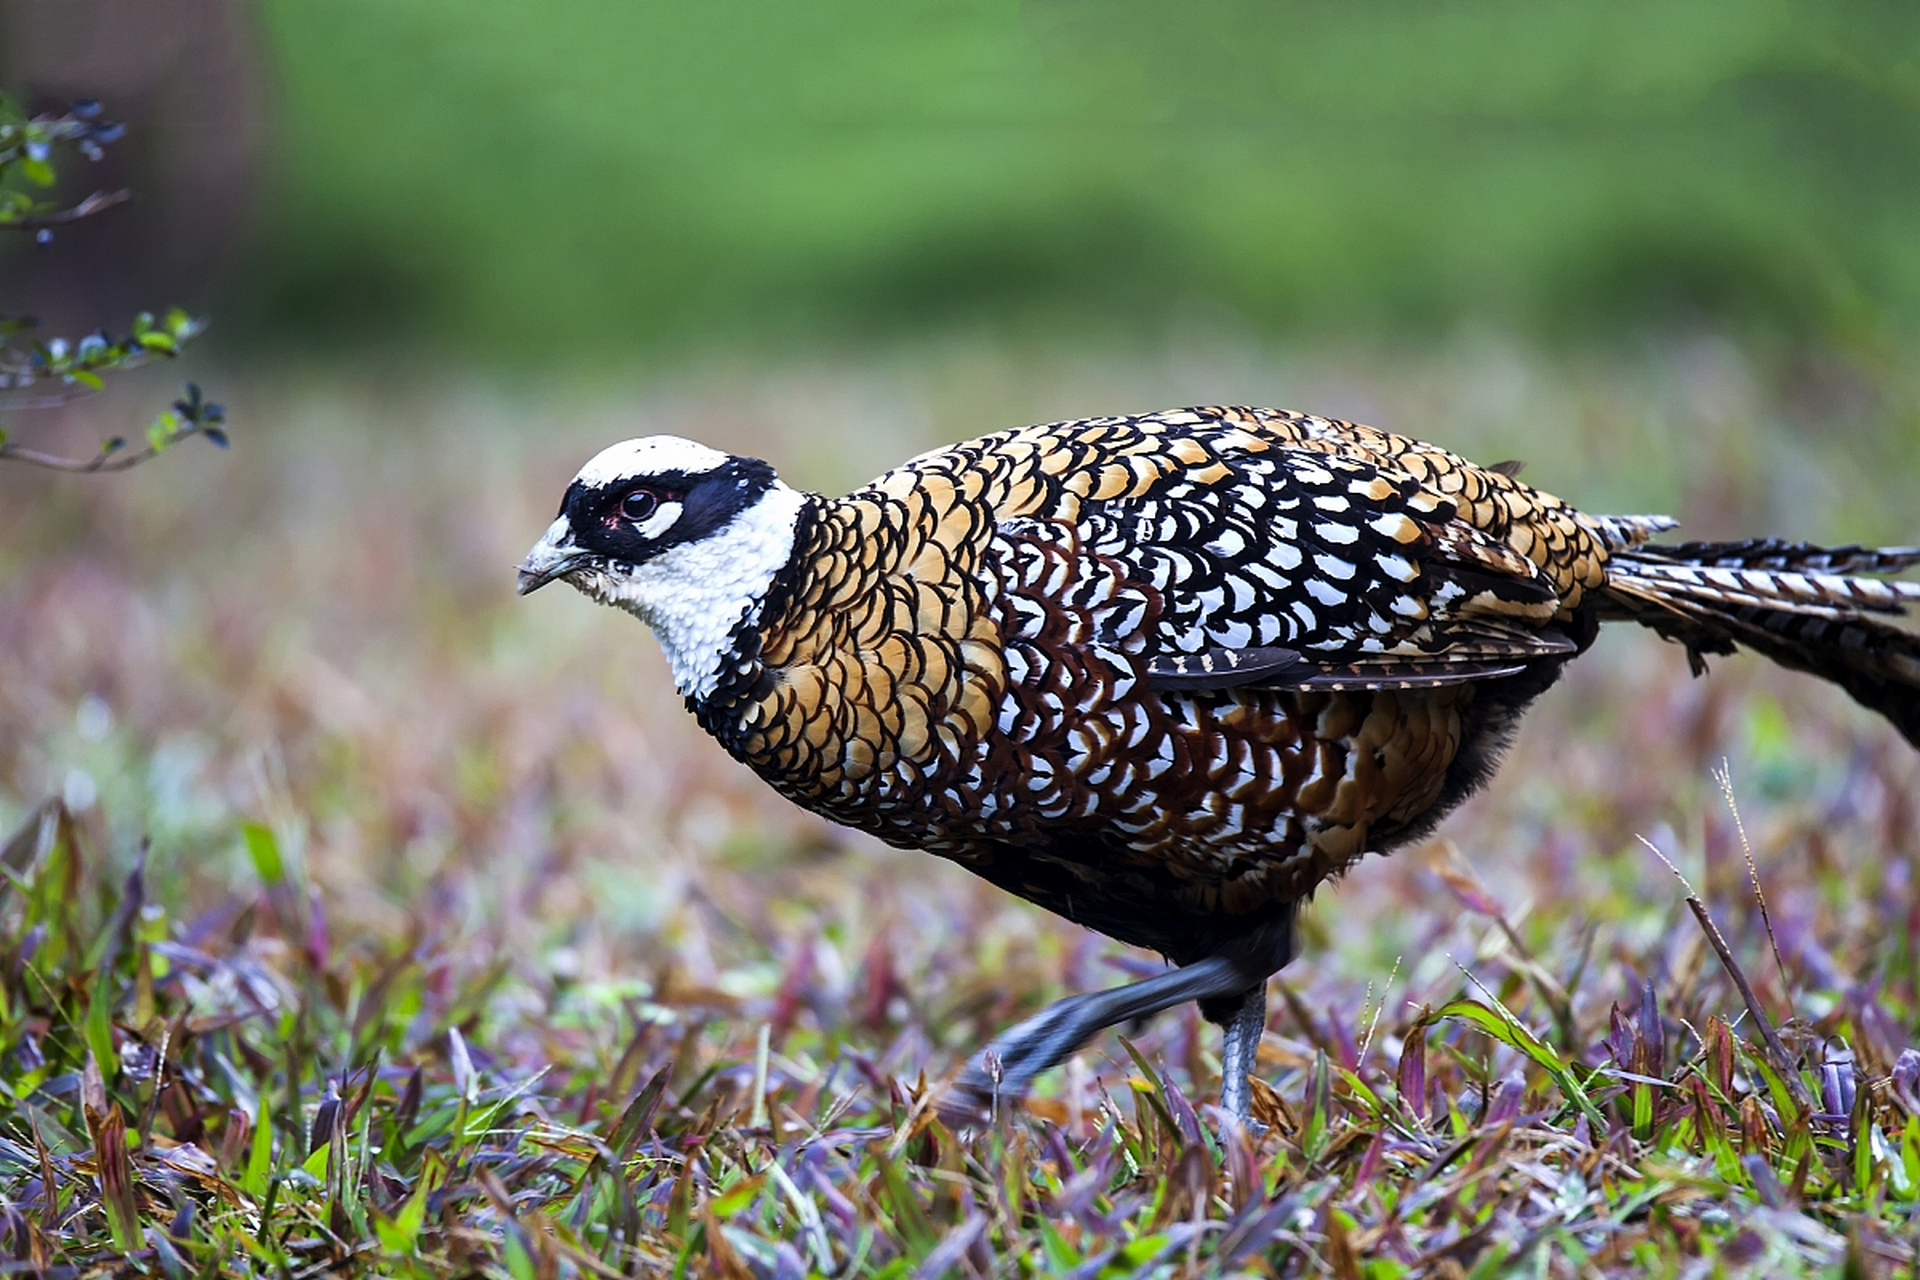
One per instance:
[(554, 556)]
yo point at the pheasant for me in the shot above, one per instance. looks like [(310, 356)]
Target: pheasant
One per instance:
[(1165, 674)]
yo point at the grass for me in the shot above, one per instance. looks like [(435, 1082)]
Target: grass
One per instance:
[(361, 918)]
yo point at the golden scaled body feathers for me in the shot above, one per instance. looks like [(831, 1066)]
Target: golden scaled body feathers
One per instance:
[(1201, 659)]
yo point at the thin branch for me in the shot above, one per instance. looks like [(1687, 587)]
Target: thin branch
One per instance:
[(1783, 1063), (1724, 776), (55, 401), (114, 459), (1366, 1041), (101, 462), (98, 202)]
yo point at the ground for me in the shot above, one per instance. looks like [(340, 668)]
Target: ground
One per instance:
[(454, 947)]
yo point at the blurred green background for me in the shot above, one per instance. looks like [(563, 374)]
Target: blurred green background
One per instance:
[(519, 183)]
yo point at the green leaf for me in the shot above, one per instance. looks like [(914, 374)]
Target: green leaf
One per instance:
[(1726, 1161), (401, 1233), (412, 1215), (1136, 1254), (1500, 1023), (259, 1170), (909, 1217), (513, 1251), (1909, 1164), (162, 430), (99, 1026), (391, 1237), (264, 849), (1493, 1262), (1314, 1130), (1782, 1097), (1061, 1257), (738, 1197), (1864, 1164), (38, 172), (1363, 1093), (1151, 1089)]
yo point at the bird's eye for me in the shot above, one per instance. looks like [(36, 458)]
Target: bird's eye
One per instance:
[(638, 505)]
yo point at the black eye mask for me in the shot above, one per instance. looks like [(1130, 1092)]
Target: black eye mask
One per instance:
[(709, 500)]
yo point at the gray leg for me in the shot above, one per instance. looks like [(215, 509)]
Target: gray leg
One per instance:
[(1003, 1069), (1230, 986), (1239, 1050)]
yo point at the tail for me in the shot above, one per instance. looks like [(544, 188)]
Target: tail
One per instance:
[(1805, 607)]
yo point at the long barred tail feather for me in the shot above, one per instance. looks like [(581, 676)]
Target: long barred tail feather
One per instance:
[(1803, 606), (1832, 595), (1786, 557)]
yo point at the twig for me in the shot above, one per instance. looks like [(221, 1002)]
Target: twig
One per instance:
[(59, 400), (98, 202), (1789, 1073), (1724, 776), (117, 461), (1373, 1024), (190, 416)]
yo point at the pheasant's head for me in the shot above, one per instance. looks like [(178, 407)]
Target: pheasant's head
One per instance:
[(686, 538)]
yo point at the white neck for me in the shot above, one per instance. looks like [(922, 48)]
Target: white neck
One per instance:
[(694, 595)]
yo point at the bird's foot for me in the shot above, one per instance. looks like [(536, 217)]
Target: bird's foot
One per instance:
[(979, 1095)]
